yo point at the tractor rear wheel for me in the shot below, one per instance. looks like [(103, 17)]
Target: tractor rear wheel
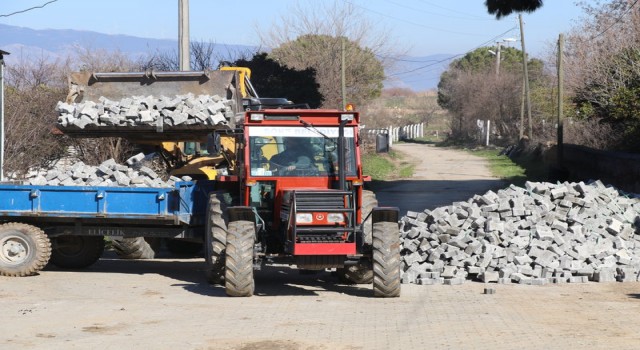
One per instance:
[(24, 249), (132, 248), (75, 252), (238, 277), (215, 239), (386, 259)]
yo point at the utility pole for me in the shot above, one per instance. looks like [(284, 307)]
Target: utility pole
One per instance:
[(183, 35), (343, 80), (560, 99), (521, 130), (526, 78), (498, 58), (2, 53)]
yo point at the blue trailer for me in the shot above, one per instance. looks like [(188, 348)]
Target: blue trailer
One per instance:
[(74, 221)]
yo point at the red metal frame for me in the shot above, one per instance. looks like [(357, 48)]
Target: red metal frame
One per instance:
[(324, 248)]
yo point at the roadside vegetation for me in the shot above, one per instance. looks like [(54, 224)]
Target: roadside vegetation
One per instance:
[(527, 168), (386, 166), (600, 107)]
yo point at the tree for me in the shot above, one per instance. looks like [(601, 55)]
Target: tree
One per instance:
[(602, 73), (312, 37), (203, 57), (481, 61), (271, 79), (502, 8), (470, 90), (364, 73), (34, 86)]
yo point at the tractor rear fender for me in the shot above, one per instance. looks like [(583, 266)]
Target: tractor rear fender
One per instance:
[(388, 214), (241, 213)]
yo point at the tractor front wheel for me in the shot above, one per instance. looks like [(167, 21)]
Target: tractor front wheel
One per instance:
[(386, 259), (238, 277)]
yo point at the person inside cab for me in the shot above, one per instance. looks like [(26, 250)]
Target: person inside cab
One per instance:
[(297, 155)]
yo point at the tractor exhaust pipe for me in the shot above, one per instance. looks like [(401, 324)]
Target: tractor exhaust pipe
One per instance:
[(342, 176)]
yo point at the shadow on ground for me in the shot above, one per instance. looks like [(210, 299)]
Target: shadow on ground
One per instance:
[(418, 195), (277, 280)]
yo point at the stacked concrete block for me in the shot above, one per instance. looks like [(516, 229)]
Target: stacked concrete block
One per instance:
[(108, 173), (181, 110), (542, 233)]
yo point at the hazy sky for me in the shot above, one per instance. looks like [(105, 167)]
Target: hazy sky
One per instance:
[(424, 27)]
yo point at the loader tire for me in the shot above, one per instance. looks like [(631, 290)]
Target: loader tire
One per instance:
[(369, 201), (356, 274), (24, 249), (215, 239), (238, 277), (132, 248), (75, 252), (386, 259)]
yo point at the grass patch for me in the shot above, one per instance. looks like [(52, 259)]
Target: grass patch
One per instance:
[(377, 166), (503, 167), (386, 166)]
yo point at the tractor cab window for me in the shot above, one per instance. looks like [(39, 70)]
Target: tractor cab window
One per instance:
[(297, 151)]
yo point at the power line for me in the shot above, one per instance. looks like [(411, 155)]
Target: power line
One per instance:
[(409, 22), (439, 14), (396, 59), (29, 9), (448, 9), (617, 20), (454, 56)]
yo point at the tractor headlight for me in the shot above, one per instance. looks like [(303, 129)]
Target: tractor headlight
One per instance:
[(257, 117), (335, 217), (304, 218)]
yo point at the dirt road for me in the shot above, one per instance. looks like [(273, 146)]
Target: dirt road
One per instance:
[(166, 304), (441, 176)]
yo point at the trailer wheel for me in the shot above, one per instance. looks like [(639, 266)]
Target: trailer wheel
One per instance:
[(24, 249), (75, 252), (238, 278), (356, 274), (386, 259), (215, 239), (369, 201), (132, 248)]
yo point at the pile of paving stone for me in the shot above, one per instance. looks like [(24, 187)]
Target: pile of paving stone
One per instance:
[(109, 173), (182, 110), (543, 233)]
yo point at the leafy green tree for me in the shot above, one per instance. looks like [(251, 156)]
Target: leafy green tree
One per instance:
[(364, 73), (272, 79)]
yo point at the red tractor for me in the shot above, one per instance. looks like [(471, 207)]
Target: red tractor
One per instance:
[(294, 194)]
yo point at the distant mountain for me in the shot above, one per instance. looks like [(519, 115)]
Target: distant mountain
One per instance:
[(416, 73)]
